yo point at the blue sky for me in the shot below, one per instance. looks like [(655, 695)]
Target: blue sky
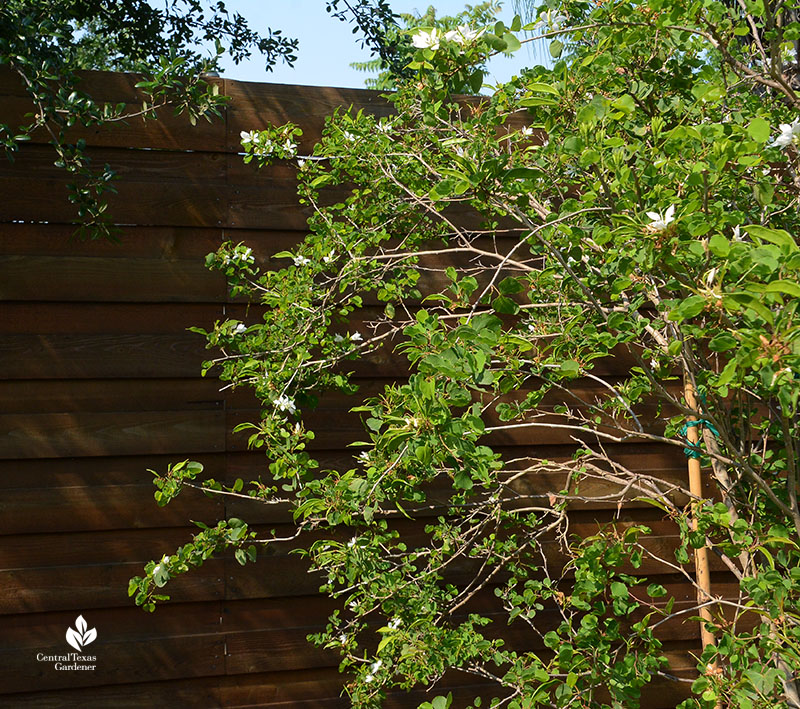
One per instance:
[(327, 46)]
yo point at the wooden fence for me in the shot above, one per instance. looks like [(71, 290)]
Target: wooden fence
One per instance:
[(99, 381)]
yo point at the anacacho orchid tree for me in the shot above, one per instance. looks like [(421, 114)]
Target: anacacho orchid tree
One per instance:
[(637, 203)]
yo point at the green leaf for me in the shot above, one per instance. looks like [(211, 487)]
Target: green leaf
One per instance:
[(625, 103), (504, 305), (788, 287), (689, 308), (722, 342), (779, 237), (512, 43), (442, 190), (524, 173), (556, 47), (510, 286), (759, 130), (656, 590), (719, 245), (619, 589), (462, 480), (570, 368), (736, 301), (543, 88)]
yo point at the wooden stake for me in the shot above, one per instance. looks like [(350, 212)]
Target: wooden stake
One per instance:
[(696, 488)]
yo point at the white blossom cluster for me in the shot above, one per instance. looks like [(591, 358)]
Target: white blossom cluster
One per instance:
[(432, 38), (266, 147), (241, 255)]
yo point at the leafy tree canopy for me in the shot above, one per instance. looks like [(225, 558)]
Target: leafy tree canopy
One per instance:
[(46, 41), (636, 200)]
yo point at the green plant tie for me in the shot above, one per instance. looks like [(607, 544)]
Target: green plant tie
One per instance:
[(694, 451)]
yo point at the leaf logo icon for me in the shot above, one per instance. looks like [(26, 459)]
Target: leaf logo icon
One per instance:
[(81, 636)]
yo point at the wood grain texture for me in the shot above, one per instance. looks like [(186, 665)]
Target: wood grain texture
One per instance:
[(120, 433)]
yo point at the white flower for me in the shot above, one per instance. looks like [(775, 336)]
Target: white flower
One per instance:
[(660, 221), (549, 20), (526, 131), (368, 678), (710, 276), (654, 363), (412, 421), (394, 624), (356, 337), (289, 146), (790, 133), (300, 163), (737, 233), (157, 567), (330, 258), (348, 135), (343, 639), (385, 127), (424, 39), (284, 403), (363, 456), (240, 328), (338, 338), (376, 666), (463, 35), (248, 137), (242, 254), (301, 260), (352, 543)]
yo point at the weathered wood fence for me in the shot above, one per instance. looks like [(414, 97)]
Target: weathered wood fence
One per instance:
[(99, 380)]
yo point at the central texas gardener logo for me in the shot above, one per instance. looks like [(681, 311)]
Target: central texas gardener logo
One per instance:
[(81, 636)]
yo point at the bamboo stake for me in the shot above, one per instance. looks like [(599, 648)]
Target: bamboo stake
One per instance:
[(703, 574)]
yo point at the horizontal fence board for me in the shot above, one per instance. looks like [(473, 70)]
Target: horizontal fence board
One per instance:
[(317, 689), (95, 395), (84, 494), (111, 318), (80, 278), (131, 646), (101, 507), (121, 433), (102, 585), (165, 130), (255, 106), (132, 242), (168, 131), (97, 471), (160, 188), (158, 264)]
